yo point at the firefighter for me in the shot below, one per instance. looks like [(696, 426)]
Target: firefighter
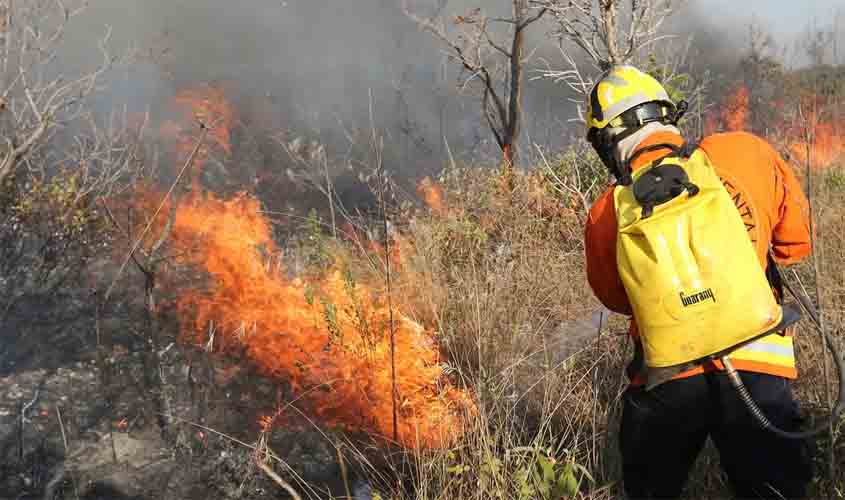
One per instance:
[(664, 428)]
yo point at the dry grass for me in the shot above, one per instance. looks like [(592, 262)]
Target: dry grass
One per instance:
[(501, 279)]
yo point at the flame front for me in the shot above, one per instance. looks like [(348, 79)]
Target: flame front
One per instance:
[(209, 106), (329, 339), (826, 144), (432, 194), (808, 136), (735, 110)]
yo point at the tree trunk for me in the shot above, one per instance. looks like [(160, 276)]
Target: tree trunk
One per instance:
[(512, 128), (608, 15), (508, 156)]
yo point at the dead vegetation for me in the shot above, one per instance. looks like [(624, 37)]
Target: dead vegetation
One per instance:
[(108, 394)]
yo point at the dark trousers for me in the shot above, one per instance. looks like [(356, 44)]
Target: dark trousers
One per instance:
[(663, 431)]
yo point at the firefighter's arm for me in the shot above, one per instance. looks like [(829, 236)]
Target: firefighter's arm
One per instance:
[(600, 247), (791, 229)]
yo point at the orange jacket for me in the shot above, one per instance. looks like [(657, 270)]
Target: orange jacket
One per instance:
[(764, 189)]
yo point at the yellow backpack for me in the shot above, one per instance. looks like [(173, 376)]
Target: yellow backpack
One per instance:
[(691, 273)]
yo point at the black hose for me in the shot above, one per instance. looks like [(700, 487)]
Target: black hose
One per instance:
[(755, 410), (758, 414)]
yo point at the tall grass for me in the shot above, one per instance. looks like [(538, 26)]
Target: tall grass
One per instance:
[(501, 280)]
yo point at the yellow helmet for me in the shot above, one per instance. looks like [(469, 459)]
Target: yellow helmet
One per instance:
[(622, 101), (623, 88)]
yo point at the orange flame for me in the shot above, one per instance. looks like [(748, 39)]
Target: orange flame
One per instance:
[(209, 106), (735, 110), (731, 115), (329, 339), (432, 194), (826, 142)]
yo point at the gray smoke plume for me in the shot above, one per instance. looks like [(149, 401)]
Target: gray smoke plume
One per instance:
[(325, 66), (317, 64)]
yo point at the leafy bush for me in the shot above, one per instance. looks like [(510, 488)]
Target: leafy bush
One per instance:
[(50, 230)]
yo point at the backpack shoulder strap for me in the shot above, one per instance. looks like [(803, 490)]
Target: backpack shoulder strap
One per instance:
[(687, 149), (684, 151), (774, 277), (653, 147)]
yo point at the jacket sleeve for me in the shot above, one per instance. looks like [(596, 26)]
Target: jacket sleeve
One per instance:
[(600, 248), (791, 229)]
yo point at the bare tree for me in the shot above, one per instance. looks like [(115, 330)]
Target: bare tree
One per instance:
[(51, 229), (609, 32), (36, 99), (818, 43), (492, 62), (763, 76)]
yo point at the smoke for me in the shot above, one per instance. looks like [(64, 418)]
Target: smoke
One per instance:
[(324, 67), (318, 66)]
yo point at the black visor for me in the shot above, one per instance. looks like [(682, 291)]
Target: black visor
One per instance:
[(640, 115)]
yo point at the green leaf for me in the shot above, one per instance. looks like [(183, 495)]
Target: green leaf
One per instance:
[(568, 485), (457, 469)]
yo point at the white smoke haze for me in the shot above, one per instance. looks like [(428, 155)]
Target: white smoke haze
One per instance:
[(316, 63), (312, 65)]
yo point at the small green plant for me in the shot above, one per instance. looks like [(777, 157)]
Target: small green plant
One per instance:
[(576, 170), (330, 317), (356, 309), (541, 475), (314, 247), (524, 473), (834, 179), (677, 85)]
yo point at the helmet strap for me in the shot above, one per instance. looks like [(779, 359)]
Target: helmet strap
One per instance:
[(605, 146), (678, 113)]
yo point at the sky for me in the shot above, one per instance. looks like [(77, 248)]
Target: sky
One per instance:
[(325, 64), (786, 20), (787, 17)]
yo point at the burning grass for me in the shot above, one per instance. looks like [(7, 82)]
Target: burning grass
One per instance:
[(501, 280), (810, 131), (505, 288), (328, 339), (504, 388), (206, 105)]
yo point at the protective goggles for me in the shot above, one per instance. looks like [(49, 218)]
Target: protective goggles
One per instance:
[(635, 118), (640, 115)]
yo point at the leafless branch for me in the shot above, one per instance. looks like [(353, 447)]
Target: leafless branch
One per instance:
[(278, 480), (533, 19), (493, 63), (610, 32), (34, 103)]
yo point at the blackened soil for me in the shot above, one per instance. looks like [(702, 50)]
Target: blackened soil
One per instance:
[(101, 427)]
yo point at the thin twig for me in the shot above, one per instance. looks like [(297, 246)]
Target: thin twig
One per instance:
[(449, 150), (54, 482), (378, 143), (809, 138), (343, 472), (27, 406), (62, 428), (20, 431), (330, 195), (188, 163), (209, 429), (394, 394), (67, 449), (278, 480)]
